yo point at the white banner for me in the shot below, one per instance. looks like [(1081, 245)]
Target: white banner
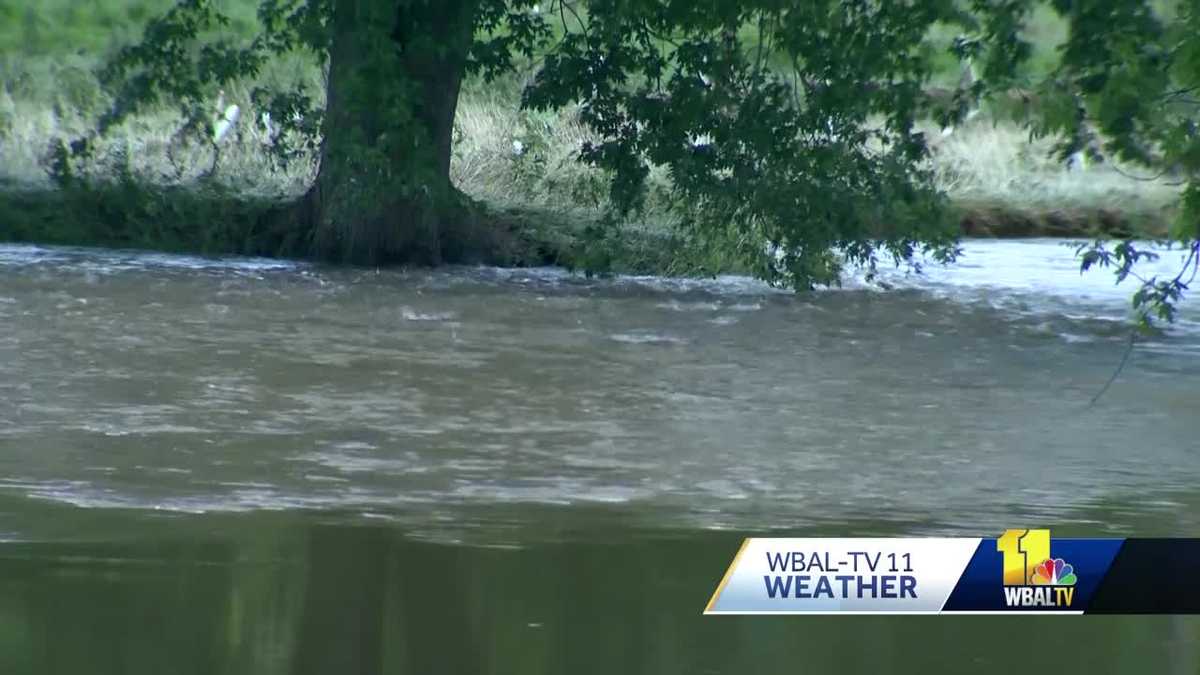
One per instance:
[(839, 576)]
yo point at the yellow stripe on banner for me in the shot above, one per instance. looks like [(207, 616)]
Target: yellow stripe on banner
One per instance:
[(725, 579)]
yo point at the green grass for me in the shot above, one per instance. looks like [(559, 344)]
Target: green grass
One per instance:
[(55, 28), (149, 190)]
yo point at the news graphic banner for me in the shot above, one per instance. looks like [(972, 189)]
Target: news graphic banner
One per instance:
[(1022, 571)]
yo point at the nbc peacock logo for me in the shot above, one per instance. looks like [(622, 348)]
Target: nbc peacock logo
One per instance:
[(1054, 572), (1032, 577)]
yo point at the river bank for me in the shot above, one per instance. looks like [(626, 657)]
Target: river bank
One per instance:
[(211, 219), (149, 187)]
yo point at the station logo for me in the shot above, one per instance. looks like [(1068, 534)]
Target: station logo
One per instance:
[(1032, 577)]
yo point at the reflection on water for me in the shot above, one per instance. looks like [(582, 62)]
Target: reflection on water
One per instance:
[(253, 467), (282, 596)]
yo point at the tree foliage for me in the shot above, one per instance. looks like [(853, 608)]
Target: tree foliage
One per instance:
[(796, 147), (788, 127), (1134, 68)]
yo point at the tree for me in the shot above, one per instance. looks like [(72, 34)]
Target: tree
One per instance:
[(788, 127), (394, 70), (654, 80)]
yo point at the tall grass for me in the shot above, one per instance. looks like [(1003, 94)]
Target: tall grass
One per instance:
[(996, 166)]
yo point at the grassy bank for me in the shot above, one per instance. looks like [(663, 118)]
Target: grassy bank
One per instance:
[(149, 189)]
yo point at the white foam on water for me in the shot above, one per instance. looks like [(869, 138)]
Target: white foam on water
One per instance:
[(647, 338)]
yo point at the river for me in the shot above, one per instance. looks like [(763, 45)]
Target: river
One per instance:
[(254, 466)]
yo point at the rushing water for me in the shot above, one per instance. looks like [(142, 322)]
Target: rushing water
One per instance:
[(254, 466)]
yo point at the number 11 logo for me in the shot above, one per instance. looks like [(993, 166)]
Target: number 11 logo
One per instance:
[(1023, 551)]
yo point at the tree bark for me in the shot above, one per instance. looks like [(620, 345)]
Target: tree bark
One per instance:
[(383, 192)]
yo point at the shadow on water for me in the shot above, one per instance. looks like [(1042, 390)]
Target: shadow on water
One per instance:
[(296, 593)]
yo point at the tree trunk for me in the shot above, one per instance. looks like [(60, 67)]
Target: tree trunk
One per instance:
[(383, 192)]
